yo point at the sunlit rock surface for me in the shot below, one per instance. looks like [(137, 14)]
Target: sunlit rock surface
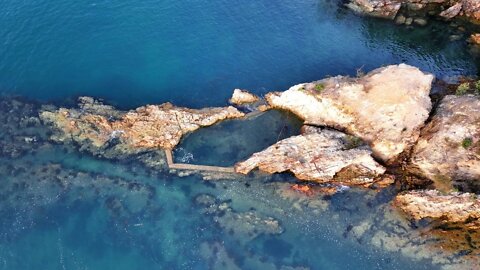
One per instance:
[(452, 11), (149, 127), (319, 155), (452, 248), (386, 108), (475, 39), (447, 9), (448, 151), (460, 209), (471, 10), (377, 8), (240, 97)]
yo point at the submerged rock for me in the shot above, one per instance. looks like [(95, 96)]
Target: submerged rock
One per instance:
[(150, 127), (245, 225), (218, 257), (320, 155), (448, 151), (240, 97), (21, 132), (459, 209), (386, 108)]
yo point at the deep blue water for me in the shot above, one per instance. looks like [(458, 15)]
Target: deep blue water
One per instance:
[(195, 52), (60, 209)]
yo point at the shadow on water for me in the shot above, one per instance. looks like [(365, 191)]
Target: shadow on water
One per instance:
[(439, 47), (235, 140)]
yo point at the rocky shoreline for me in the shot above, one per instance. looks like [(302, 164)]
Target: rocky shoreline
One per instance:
[(356, 130), (419, 12), (415, 11), (370, 131), (388, 109)]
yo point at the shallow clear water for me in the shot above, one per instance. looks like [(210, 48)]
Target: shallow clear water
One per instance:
[(64, 210), (129, 219)]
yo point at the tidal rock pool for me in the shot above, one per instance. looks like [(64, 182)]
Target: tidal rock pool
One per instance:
[(65, 207)]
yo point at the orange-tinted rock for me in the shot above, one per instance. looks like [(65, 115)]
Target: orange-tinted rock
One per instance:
[(147, 127), (475, 39), (459, 209), (471, 10), (315, 190)]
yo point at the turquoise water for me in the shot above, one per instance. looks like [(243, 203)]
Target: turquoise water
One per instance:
[(70, 216), (62, 209)]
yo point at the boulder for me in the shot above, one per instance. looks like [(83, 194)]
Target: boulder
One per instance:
[(240, 97), (454, 209), (448, 151), (150, 127), (475, 39), (420, 21), (451, 12), (320, 155), (386, 108)]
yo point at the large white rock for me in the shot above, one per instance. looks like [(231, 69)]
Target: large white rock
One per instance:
[(449, 146), (386, 108), (321, 155)]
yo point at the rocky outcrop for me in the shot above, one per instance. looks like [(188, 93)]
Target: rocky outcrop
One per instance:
[(448, 151), (387, 9), (471, 10), (320, 155), (451, 12), (247, 225), (386, 108), (446, 9), (475, 39), (459, 209), (240, 97), (150, 127)]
